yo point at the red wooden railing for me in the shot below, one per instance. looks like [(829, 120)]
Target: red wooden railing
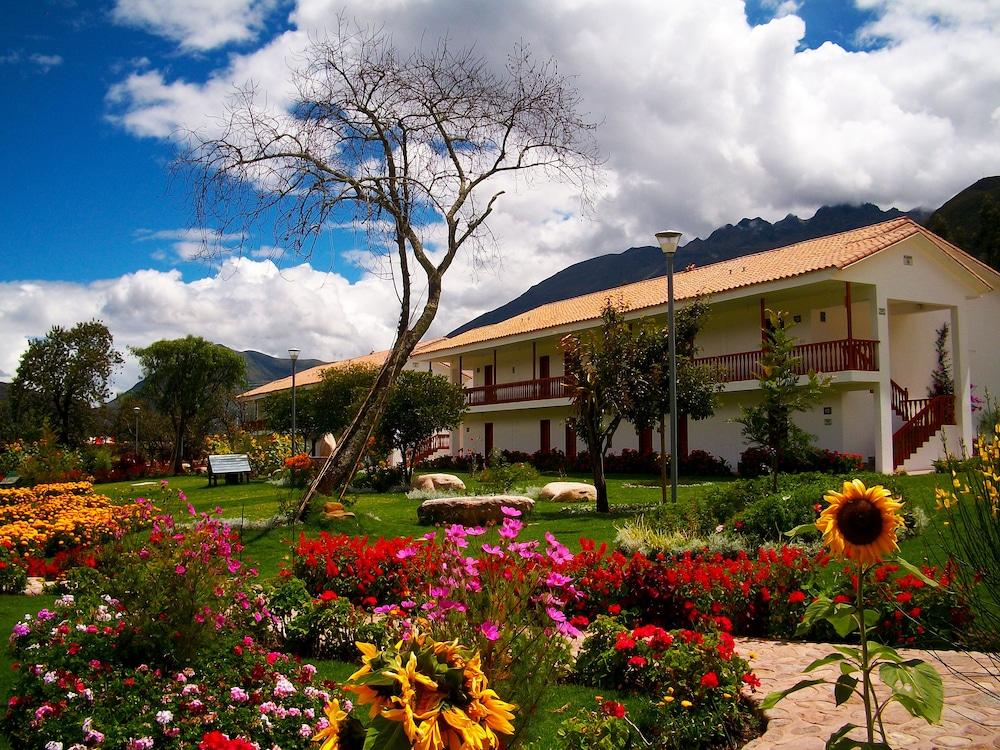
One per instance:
[(825, 356), (433, 444), (900, 397), (524, 390), (938, 411)]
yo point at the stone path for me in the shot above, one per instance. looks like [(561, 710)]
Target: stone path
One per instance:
[(805, 720)]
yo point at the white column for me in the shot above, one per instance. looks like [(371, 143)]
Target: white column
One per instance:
[(962, 376), (883, 391)]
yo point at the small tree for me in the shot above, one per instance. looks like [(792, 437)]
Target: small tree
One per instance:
[(698, 385), (189, 380), (769, 424), (62, 377), (603, 375), (942, 383), (421, 404)]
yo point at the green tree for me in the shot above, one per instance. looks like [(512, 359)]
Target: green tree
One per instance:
[(189, 380), (418, 146), (769, 423), (62, 377), (420, 405), (326, 407), (603, 371), (942, 383), (698, 385)]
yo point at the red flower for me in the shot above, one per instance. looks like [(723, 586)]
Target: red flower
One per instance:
[(751, 679), (614, 610), (613, 708), (327, 596), (796, 597), (904, 597), (625, 642), (637, 661), (710, 680)]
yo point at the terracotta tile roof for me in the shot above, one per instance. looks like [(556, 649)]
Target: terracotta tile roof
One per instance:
[(315, 374), (835, 251)]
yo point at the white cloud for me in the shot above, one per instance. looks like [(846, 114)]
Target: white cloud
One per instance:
[(44, 63), (246, 304), (196, 24), (706, 119), (196, 243)]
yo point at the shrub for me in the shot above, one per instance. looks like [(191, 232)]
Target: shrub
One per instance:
[(692, 682), (46, 463), (13, 573), (638, 536), (381, 477), (756, 461), (73, 690), (500, 477), (699, 463), (325, 626)]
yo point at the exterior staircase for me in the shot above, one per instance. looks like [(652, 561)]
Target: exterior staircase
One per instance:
[(924, 418), (432, 447)]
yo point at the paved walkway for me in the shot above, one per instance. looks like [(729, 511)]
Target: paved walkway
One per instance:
[(805, 720)]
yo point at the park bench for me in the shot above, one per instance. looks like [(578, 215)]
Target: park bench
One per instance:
[(235, 467), (10, 481)]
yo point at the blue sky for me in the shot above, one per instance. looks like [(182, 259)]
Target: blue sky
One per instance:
[(710, 112)]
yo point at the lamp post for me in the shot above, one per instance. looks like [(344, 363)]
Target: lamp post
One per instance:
[(668, 244), (136, 410), (293, 354)]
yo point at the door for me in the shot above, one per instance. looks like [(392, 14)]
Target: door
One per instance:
[(488, 441), (545, 435), (490, 394), (646, 441), (570, 442), (543, 375)]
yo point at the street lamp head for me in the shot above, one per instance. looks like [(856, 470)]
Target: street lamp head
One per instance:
[(135, 409), (668, 241), (293, 354)]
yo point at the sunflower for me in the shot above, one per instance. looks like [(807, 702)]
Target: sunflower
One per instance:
[(860, 522), (330, 735)]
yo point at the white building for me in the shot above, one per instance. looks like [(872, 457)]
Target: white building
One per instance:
[(866, 303)]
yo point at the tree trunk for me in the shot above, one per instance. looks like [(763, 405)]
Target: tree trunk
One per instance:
[(600, 484), (178, 457)]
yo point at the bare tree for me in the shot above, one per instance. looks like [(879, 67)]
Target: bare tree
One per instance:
[(412, 145)]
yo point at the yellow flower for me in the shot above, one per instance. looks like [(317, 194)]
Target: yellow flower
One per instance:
[(330, 736), (686, 704), (860, 523)]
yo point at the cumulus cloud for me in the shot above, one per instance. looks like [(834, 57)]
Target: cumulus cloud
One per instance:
[(196, 24), (246, 304), (706, 119)]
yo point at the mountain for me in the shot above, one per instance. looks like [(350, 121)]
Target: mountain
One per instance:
[(730, 241), (971, 220), (261, 368)]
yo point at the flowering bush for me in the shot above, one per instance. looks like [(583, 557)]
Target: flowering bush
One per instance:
[(425, 694), (366, 574), (693, 682), (326, 626), (13, 574), (266, 453), (297, 469), (47, 518), (72, 689)]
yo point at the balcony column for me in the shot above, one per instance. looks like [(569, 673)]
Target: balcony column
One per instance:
[(883, 389), (962, 377)]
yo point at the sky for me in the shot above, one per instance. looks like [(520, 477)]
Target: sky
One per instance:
[(709, 112)]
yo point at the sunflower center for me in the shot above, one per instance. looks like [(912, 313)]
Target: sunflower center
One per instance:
[(860, 521)]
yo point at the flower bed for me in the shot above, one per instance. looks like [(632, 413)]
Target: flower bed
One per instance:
[(48, 518)]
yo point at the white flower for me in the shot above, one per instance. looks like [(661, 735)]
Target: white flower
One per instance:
[(53, 745), (164, 717)]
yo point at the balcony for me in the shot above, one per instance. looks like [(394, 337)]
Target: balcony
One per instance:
[(825, 356), (523, 390)]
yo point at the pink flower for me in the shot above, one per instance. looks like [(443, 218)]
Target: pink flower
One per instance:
[(490, 630), (557, 580), (509, 511), (492, 549), (180, 570)]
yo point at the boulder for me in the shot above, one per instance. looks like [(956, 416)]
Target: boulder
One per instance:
[(431, 482), (568, 492), (335, 512), (471, 511)]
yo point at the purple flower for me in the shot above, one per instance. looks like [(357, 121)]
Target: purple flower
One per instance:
[(555, 614), (490, 630), (21, 630)]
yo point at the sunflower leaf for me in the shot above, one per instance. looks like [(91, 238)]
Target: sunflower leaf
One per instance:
[(774, 698), (828, 659), (844, 688), (914, 570), (802, 530)]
